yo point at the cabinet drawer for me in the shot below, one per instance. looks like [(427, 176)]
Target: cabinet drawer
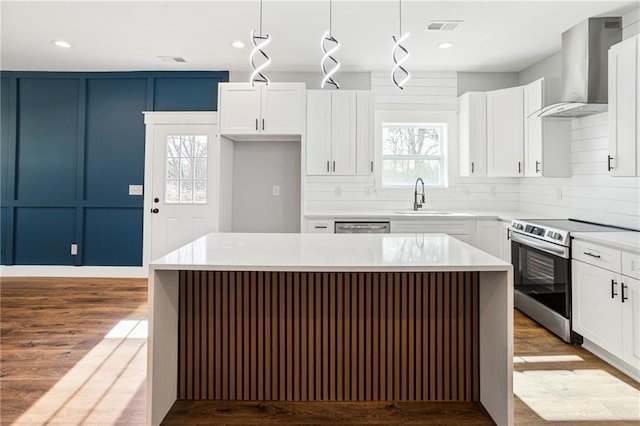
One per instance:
[(444, 227), (631, 265), (320, 226), (597, 255)]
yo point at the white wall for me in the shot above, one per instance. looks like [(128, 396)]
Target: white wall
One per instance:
[(426, 93), (485, 81), (257, 167)]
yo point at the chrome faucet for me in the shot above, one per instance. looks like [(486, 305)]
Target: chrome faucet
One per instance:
[(418, 205)]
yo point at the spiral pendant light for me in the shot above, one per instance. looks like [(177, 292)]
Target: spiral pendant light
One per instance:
[(399, 54), (328, 51), (259, 41)]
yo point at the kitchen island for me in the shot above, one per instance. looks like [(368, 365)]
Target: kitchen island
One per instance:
[(330, 317)]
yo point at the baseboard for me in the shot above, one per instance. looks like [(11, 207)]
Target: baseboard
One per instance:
[(74, 271), (612, 360)]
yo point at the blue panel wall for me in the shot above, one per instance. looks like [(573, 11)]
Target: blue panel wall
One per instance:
[(114, 149), (47, 139), (55, 231), (108, 236), (71, 144)]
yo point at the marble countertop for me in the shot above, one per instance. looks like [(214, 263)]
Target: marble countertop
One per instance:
[(329, 252), (629, 241), (506, 215)]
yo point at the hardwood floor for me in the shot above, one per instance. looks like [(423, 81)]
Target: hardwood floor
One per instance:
[(73, 351)]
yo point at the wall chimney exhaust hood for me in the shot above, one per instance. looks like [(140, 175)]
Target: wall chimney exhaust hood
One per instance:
[(584, 86)]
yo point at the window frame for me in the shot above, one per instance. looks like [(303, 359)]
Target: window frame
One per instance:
[(446, 120)]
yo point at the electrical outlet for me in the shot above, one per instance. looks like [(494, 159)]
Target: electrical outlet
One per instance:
[(135, 189), (276, 190), (74, 249), (558, 194)]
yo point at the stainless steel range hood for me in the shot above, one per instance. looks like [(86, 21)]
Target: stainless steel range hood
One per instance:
[(585, 50)]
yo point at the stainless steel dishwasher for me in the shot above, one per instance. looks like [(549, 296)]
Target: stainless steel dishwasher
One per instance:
[(362, 228)]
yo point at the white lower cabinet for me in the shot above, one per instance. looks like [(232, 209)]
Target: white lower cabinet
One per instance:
[(505, 241), (487, 236), (461, 230), (320, 226), (606, 304), (596, 307)]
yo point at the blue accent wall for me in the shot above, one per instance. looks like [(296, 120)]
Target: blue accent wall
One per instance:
[(70, 146)]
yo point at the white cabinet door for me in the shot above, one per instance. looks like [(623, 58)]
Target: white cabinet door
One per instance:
[(596, 307), (623, 108), (472, 116), (631, 321), (318, 140), (533, 98), (505, 132), (488, 236), (239, 106), (364, 134), (343, 133), (282, 109), (505, 242)]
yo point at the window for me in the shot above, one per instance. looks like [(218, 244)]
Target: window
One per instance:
[(186, 178), (413, 150)]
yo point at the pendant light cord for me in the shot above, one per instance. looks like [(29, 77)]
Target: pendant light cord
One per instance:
[(330, 16), (400, 17), (260, 18)]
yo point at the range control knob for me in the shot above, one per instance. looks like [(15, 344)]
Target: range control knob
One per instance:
[(518, 226), (555, 235)]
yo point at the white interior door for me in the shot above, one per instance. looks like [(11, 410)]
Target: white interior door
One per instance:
[(184, 186)]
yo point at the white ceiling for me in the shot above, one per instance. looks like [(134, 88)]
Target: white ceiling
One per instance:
[(130, 35)]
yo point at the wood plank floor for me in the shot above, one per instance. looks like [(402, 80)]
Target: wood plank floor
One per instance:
[(56, 362)]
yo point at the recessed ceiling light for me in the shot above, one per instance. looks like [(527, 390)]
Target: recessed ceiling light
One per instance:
[(238, 44), (61, 43), (445, 45)]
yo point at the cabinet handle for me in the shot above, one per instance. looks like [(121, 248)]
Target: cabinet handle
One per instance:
[(597, 256), (327, 165), (334, 166), (320, 226), (613, 288), (508, 234), (537, 167), (372, 167), (519, 167), (256, 124), (154, 211), (263, 124), (473, 168), (609, 158), (623, 296)]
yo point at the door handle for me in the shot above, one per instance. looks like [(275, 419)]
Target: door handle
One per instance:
[(623, 296), (154, 211), (613, 288)]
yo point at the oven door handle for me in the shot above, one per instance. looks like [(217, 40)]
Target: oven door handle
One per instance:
[(550, 248)]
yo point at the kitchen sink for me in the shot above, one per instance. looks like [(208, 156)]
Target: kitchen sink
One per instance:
[(429, 213)]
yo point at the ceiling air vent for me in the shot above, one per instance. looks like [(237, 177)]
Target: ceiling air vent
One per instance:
[(443, 25), (172, 59)]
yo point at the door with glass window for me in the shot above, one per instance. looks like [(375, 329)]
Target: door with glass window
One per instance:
[(184, 187)]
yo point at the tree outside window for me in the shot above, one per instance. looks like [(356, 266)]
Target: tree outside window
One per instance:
[(413, 150)]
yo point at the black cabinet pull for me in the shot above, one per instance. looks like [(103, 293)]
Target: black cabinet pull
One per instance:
[(327, 165), (321, 227), (597, 256), (609, 158), (537, 167), (473, 169), (613, 289), (519, 167), (508, 234), (263, 124), (334, 166), (154, 211), (372, 167), (156, 200), (623, 296), (256, 124)]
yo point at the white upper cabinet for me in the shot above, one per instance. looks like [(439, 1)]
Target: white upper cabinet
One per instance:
[(472, 116), (339, 135), (623, 108), (505, 132), (547, 143), (273, 109)]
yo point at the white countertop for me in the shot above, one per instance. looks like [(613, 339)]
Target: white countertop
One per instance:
[(329, 252), (629, 241), (506, 215)]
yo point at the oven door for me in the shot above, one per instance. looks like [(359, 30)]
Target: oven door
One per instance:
[(541, 271)]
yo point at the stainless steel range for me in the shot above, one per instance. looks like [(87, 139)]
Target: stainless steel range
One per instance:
[(541, 258)]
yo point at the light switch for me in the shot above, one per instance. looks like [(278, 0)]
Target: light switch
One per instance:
[(135, 189), (74, 249)]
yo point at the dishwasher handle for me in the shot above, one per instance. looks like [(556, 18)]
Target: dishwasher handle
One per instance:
[(346, 228)]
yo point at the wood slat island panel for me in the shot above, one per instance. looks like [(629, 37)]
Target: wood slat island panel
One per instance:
[(328, 336)]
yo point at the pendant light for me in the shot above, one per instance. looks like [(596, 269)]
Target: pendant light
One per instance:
[(259, 42), (328, 54), (399, 72)]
